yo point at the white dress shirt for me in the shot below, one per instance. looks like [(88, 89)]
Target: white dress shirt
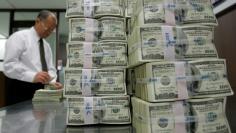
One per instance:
[(22, 56)]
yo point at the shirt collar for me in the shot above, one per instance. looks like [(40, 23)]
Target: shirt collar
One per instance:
[(35, 35)]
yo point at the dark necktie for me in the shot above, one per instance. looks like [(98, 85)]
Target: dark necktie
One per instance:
[(42, 56)]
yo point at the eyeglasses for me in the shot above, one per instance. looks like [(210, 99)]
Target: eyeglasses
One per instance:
[(46, 29)]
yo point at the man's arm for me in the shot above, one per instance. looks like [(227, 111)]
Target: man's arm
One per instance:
[(13, 68)]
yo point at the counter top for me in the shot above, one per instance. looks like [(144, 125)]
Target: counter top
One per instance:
[(35, 117)]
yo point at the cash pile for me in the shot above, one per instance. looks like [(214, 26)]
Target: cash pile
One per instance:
[(88, 82), (93, 30), (172, 12), (170, 81), (96, 60), (192, 116), (174, 64), (44, 95), (95, 110), (95, 8), (163, 43), (100, 55)]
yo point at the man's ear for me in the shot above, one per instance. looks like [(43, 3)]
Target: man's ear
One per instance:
[(37, 20)]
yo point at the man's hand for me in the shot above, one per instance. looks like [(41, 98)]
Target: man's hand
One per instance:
[(57, 85), (42, 77)]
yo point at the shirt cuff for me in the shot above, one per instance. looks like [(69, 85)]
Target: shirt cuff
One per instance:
[(28, 76)]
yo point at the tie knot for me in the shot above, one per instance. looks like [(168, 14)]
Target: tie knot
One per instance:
[(41, 41)]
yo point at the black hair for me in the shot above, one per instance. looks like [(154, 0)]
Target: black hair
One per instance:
[(43, 15)]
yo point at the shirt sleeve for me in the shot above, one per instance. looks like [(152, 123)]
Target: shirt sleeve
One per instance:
[(12, 65), (51, 68)]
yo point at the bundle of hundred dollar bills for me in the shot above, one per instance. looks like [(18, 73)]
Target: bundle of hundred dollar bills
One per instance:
[(96, 55), (88, 82), (159, 43), (48, 94), (192, 116), (173, 12), (95, 8), (98, 110), (170, 81), (92, 30)]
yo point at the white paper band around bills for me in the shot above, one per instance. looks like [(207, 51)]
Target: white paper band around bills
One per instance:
[(89, 31), (169, 13), (178, 110), (87, 60), (169, 49), (88, 110), (88, 8), (181, 84), (86, 84)]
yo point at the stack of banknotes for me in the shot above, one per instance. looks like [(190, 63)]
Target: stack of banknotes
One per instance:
[(172, 12), (102, 29), (97, 55), (191, 116), (98, 110), (161, 43), (170, 81), (89, 82), (95, 8), (44, 95)]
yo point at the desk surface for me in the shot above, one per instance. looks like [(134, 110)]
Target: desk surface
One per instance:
[(28, 117)]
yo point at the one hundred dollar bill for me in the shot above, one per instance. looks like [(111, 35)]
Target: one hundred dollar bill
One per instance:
[(109, 8), (158, 81), (83, 111), (209, 116), (89, 82), (83, 29), (173, 12), (210, 78), (169, 43), (95, 110), (115, 110), (79, 8), (192, 12), (112, 28), (96, 55), (195, 42), (169, 117)]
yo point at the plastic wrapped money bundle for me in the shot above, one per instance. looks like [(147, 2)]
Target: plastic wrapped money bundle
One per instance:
[(158, 81), (95, 8), (92, 30), (170, 81), (43, 95), (209, 78), (159, 43), (98, 110), (96, 55), (89, 82), (173, 12), (193, 116)]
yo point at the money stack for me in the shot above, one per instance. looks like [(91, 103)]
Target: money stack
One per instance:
[(44, 95), (191, 116), (178, 81), (95, 76)]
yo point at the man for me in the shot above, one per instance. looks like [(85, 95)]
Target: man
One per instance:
[(28, 60)]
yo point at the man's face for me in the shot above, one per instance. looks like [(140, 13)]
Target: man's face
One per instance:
[(47, 26)]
